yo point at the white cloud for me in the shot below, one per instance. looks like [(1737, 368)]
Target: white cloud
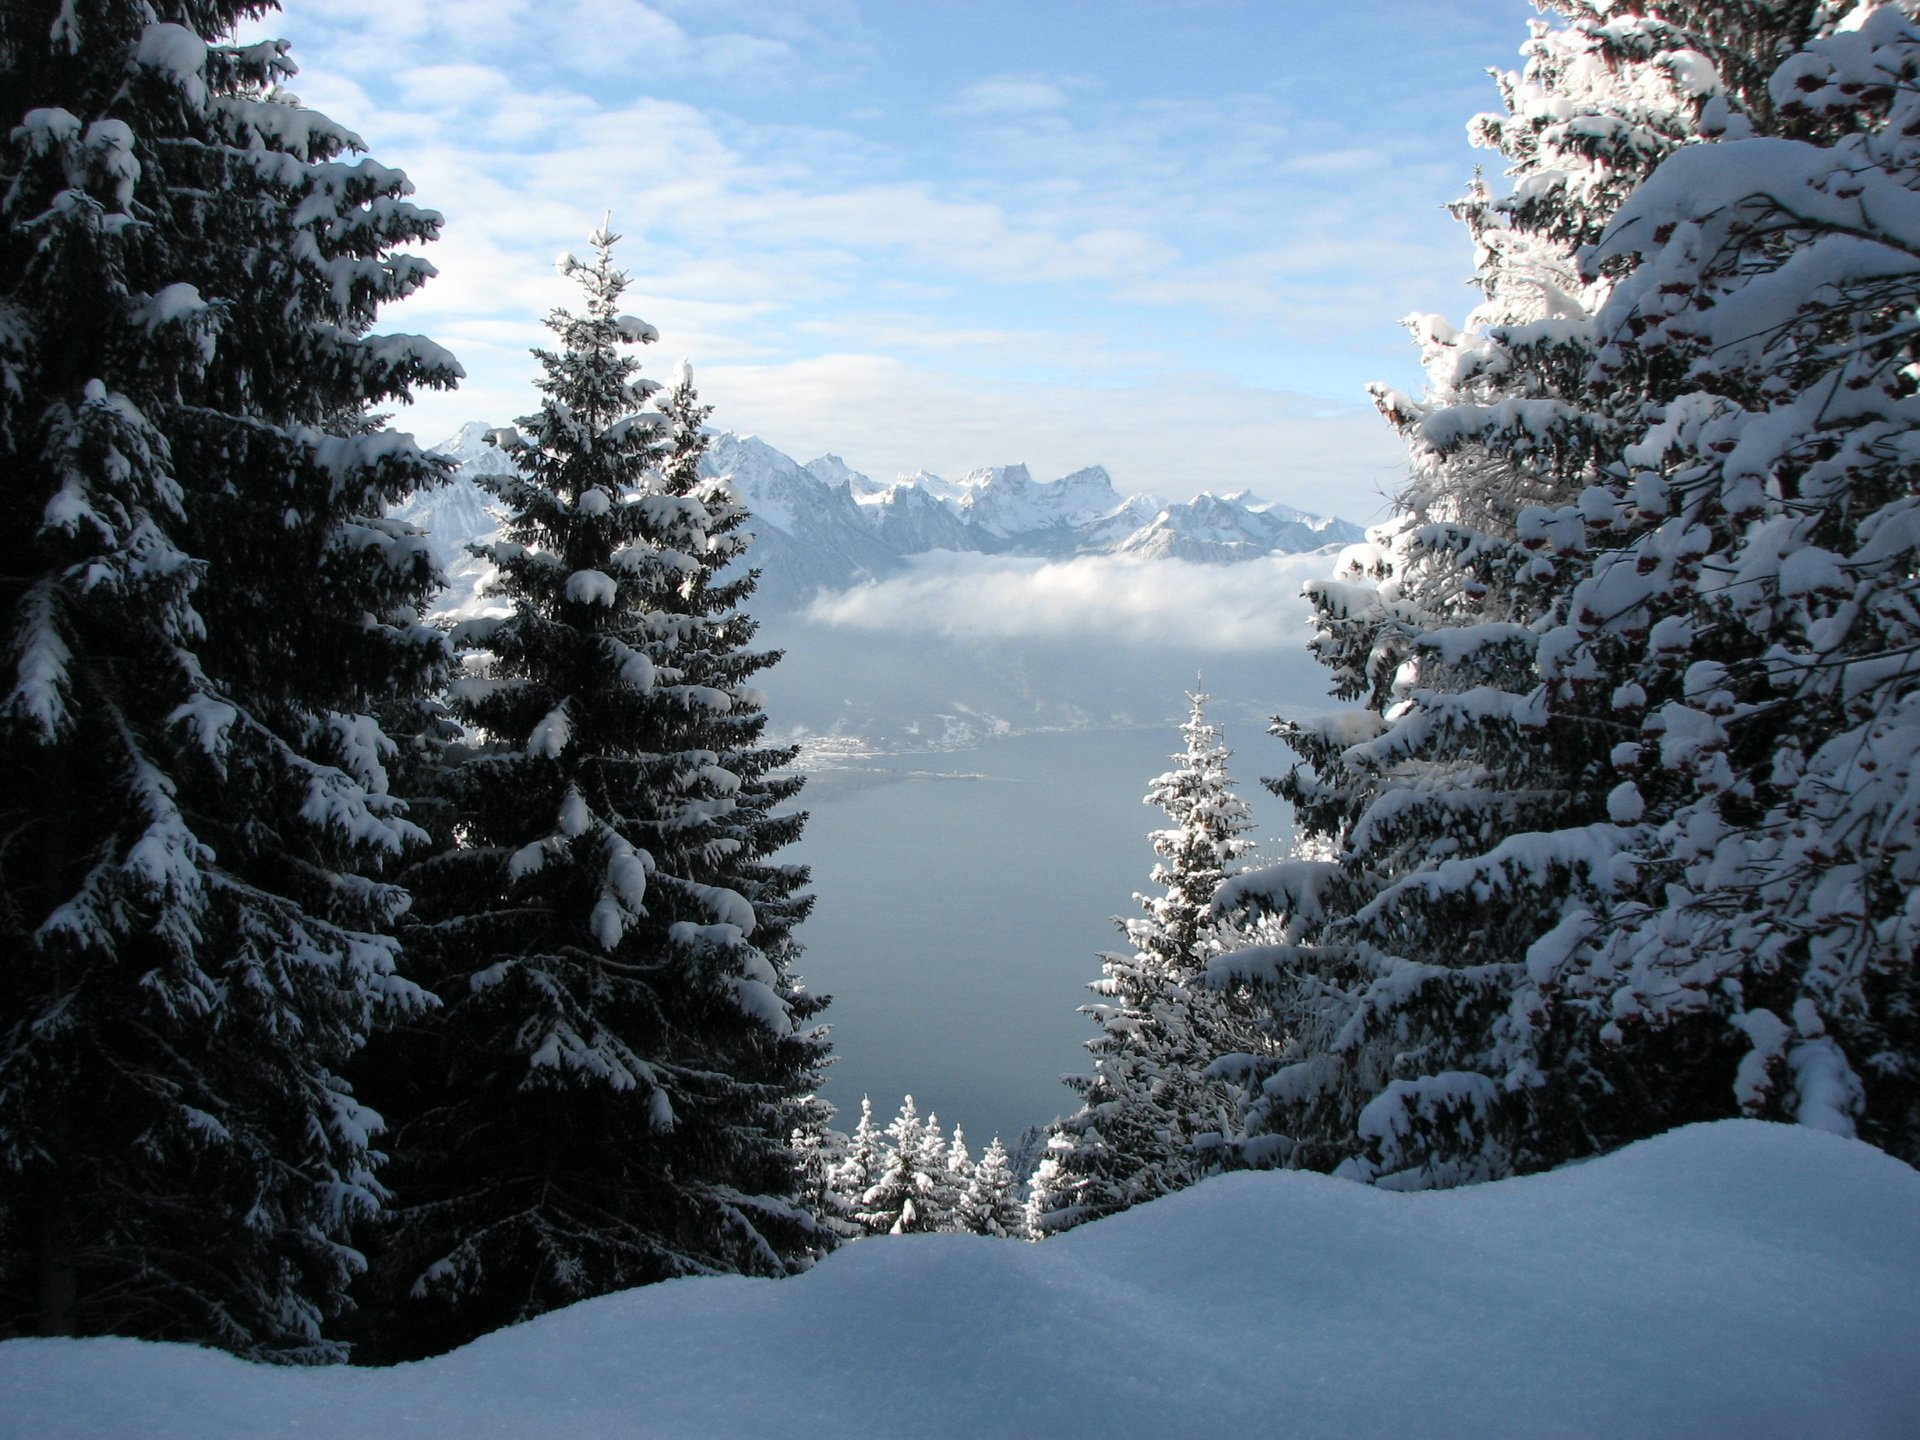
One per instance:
[(1010, 95), (465, 86), (1254, 606), (1130, 280), (1162, 203), (1170, 434), (608, 37)]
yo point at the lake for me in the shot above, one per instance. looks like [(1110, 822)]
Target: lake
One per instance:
[(964, 900)]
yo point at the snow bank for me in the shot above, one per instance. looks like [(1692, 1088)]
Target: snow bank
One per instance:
[(1730, 1280)]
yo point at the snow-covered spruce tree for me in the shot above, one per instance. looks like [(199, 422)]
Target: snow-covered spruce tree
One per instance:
[(948, 1162), (906, 1199), (989, 1204), (821, 1154), (1754, 598), (719, 722), (862, 1164), (621, 1061), (1467, 803), (205, 607), (1151, 1100)]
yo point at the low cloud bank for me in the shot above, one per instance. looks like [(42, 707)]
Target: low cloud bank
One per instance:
[(1253, 606)]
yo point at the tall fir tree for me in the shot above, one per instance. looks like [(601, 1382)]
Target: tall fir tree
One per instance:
[(1437, 975), (989, 1205), (907, 1197), (1151, 1099), (821, 1152), (959, 1172), (205, 610), (611, 1092), (862, 1163), (946, 1162), (719, 722), (1752, 603)]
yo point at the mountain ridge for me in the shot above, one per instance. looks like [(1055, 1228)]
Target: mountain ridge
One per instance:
[(823, 526)]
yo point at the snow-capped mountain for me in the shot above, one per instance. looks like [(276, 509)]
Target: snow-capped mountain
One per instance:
[(912, 520), (1007, 503), (810, 534), (825, 526), (1217, 529), (458, 514), (832, 470)]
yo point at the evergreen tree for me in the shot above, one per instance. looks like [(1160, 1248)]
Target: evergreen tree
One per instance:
[(1049, 1192), (945, 1163), (1151, 1098), (719, 721), (905, 1199), (958, 1174), (820, 1152), (1432, 976), (1752, 600), (205, 610), (622, 1061), (863, 1162), (989, 1205)]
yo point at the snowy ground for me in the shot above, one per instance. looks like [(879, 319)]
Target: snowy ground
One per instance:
[(1736, 1280)]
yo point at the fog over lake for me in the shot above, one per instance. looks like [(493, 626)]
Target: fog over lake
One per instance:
[(965, 893)]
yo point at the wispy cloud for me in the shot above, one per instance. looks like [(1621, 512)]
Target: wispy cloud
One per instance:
[(1280, 445), (1045, 266), (1010, 95)]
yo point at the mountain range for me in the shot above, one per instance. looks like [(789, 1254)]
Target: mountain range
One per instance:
[(823, 526)]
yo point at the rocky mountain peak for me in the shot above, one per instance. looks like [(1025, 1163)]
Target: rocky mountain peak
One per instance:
[(825, 526)]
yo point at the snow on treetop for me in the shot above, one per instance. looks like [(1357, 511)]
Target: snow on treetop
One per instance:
[(47, 126), (112, 145), (591, 587), (177, 52), (171, 303)]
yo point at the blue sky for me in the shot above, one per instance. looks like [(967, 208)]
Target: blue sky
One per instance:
[(1173, 237)]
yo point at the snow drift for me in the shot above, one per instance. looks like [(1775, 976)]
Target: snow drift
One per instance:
[(1736, 1279)]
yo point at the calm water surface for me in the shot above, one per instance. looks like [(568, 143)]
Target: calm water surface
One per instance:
[(960, 919)]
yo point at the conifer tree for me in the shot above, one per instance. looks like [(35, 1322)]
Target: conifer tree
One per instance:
[(863, 1162), (1150, 1098), (622, 1061), (1440, 976), (944, 1163), (905, 1198), (1049, 1193), (205, 610), (1401, 994), (957, 1174), (820, 1153), (719, 721), (1752, 601), (989, 1205)]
